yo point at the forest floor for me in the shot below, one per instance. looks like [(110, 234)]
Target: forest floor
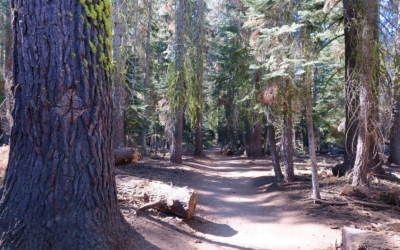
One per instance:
[(241, 206)]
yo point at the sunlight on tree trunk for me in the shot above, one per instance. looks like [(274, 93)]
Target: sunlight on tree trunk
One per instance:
[(366, 99), (310, 132), (177, 109)]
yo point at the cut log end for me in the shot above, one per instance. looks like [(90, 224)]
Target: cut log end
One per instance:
[(192, 205), (124, 156)]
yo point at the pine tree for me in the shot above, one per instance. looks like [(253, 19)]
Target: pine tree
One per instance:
[(60, 184)]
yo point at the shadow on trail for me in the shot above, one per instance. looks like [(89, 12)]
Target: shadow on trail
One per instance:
[(208, 227), (173, 228)]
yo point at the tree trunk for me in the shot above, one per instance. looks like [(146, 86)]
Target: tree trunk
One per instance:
[(311, 140), (248, 138), (265, 137), (394, 157), (287, 143), (364, 139), (118, 41), (272, 142), (352, 52), (59, 185), (177, 110), (253, 138), (146, 82), (200, 71), (375, 160)]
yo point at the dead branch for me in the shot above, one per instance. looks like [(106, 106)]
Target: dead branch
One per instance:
[(334, 203)]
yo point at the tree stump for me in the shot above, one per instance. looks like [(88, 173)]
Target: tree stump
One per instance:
[(124, 156)]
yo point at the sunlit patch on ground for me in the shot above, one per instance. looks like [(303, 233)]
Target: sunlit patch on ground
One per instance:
[(3, 161)]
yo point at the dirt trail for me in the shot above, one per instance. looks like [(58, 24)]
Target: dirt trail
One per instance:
[(239, 208)]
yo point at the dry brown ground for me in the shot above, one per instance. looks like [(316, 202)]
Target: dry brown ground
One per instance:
[(242, 207)]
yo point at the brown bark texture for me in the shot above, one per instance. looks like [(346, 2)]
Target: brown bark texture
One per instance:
[(59, 190), (351, 37), (287, 145), (272, 142), (364, 139), (254, 138)]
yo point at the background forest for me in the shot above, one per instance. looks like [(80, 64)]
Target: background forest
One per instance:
[(82, 81), (234, 72)]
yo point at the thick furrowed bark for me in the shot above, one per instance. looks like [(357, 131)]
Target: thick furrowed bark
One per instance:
[(59, 189)]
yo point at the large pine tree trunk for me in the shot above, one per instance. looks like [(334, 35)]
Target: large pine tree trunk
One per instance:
[(177, 110), (59, 189), (364, 139), (351, 38), (119, 75), (200, 71)]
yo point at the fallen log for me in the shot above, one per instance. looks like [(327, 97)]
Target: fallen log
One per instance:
[(124, 156), (353, 238), (362, 203), (376, 205), (172, 200), (334, 203)]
